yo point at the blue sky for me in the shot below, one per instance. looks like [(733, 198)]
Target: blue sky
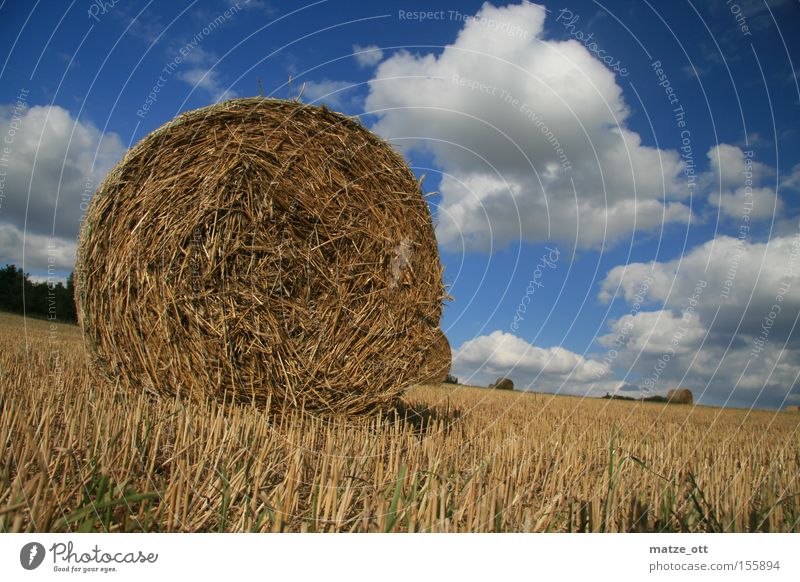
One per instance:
[(552, 135)]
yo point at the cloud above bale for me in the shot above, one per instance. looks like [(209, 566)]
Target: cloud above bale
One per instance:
[(721, 320), (40, 250), (740, 185), (742, 280), (336, 94), (531, 135), (484, 358), (367, 56), (54, 164)]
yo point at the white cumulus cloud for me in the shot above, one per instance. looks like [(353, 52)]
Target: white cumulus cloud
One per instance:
[(367, 56), (743, 280), (41, 250), (484, 358), (720, 320), (738, 184), (54, 166), (531, 135), (336, 94)]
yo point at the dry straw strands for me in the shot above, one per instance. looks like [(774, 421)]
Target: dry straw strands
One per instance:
[(437, 361), (79, 457), (263, 251), (502, 384), (680, 396)]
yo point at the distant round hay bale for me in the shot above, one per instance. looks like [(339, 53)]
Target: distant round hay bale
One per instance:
[(437, 361), (792, 408), (261, 251), (502, 384), (680, 396)]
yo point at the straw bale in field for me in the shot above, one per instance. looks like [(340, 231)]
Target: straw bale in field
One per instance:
[(680, 396), (263, 251), (502, 384)]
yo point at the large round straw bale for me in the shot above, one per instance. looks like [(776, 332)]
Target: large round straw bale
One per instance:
[(680, 396), (262, 251), (438, 357), (502, 384)]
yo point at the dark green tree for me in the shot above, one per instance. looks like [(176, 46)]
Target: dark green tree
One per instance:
[(18, 294)]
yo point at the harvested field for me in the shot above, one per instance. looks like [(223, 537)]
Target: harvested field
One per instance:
[(81, 457)]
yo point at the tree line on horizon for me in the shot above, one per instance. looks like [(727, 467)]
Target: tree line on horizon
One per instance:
[(19, 294)]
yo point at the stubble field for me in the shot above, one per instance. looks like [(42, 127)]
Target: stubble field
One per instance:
[(80, 456)]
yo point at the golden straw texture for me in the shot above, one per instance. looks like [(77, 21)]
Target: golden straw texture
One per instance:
[(261, 251), (680, 396), (437, 362)]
